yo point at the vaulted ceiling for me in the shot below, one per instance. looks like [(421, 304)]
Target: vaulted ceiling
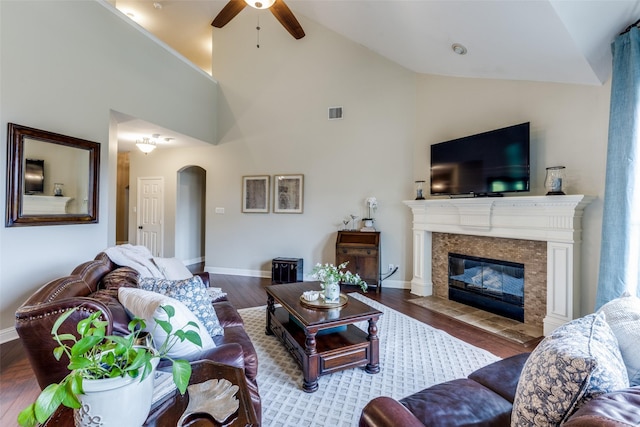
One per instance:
[(565, 41)]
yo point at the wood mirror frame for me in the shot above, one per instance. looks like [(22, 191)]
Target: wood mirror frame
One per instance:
[(86, 212)]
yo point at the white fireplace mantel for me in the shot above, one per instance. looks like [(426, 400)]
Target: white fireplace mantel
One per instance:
[(44, 205), (554, 219)]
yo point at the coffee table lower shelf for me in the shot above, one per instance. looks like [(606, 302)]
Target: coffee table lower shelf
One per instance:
[(342, 348)]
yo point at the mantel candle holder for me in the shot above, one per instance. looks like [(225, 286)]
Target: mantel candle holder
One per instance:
[(419, 190), (554, 180)]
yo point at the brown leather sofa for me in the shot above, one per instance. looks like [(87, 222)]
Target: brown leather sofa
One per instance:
[(93, 286), (485, 398)]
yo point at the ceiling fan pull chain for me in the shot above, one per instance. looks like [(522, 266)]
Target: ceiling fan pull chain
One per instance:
[(258, 33)]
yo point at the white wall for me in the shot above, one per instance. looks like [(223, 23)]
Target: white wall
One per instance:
[(65, 66), (191, 215), (569, 125), (273, 120), (167, 163), (273, 103)]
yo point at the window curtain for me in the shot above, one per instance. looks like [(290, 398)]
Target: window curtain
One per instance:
[(620, 250)]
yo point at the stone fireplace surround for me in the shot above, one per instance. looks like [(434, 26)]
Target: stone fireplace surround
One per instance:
[(555, 220), (531, 253)]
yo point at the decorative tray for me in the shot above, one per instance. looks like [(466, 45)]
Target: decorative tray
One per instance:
[(319, 303), (214, 398)]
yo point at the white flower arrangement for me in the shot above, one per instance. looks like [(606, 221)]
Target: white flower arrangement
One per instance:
[(330, 273), (372, 204)]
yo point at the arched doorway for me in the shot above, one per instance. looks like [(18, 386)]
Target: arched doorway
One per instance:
[(191, 215)]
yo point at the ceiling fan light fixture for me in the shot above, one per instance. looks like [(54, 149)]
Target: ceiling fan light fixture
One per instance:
[(146, 145), (278, 8), (257, 4)]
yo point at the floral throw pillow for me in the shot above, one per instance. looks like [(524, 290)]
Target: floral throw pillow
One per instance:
[(192, 293), (577, 362)]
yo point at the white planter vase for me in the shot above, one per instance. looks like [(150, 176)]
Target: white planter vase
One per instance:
[(332, 292), (121, 402)]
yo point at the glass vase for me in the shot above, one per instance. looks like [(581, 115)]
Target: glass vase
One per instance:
[(554, 180), (419, 190), (331, 292)]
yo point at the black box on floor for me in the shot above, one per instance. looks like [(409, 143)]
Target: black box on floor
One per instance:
[(286, 270)]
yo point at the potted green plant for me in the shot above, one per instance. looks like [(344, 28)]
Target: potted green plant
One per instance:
[(330, 278), (100, 361)]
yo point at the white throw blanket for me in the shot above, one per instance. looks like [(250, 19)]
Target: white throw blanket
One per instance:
[(137, 257)]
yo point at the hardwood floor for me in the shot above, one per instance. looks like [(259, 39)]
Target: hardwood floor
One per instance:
[(18, 386)]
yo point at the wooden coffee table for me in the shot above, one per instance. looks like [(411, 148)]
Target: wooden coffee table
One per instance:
[(322, 340)]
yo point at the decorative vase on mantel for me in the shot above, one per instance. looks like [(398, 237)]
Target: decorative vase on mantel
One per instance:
[(331, 291)]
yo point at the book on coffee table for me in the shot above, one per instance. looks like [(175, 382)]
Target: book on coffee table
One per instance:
[(163, 386)]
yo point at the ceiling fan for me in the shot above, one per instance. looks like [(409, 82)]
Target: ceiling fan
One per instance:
[(279, 9)]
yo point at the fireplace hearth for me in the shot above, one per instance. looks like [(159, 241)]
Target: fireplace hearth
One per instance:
[(492, 285)]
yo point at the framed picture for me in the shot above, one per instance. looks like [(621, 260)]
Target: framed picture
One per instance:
[(288, 193), (255, 194)]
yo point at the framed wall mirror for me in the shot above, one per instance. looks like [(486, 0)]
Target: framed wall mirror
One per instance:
[(52, 179)]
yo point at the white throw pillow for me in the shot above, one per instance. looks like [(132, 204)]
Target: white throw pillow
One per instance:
[(192, 293), (146, 305), (623, 316), (172, 268)]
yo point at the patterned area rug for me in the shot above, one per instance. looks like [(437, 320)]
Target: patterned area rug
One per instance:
[(413, 356)]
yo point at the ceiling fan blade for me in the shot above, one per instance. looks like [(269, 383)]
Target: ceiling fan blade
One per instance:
[(283, 14), (228, 12)]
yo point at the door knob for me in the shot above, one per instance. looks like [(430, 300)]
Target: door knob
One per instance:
[(139, 227)]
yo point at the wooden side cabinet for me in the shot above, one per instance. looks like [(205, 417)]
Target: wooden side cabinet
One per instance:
[(362, 250)]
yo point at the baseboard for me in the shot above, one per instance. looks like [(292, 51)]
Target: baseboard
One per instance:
[(7, 335), (394, 284), (192, 261), (238, 272)]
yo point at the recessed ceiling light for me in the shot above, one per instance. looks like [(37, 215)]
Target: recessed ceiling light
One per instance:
[(459, 49)]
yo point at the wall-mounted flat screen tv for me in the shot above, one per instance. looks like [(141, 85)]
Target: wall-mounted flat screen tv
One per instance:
[(34, 176), (486, 164)]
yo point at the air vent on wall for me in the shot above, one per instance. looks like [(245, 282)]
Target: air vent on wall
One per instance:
[(335, 113)]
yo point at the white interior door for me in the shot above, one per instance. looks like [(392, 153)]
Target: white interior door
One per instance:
[(151, 214)]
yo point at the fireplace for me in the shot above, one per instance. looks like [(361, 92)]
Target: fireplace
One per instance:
[(491, 285), (555, 221)]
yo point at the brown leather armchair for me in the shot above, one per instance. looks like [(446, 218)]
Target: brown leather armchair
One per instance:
[(485, 398), (92, 286)]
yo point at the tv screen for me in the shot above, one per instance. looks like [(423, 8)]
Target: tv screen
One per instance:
[(489, 163), (34, 176)]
